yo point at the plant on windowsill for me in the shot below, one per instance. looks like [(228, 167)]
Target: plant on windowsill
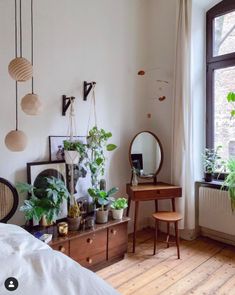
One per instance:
[(102, 199), (97, 144), (211, 162), (44, 204), (118, 207)]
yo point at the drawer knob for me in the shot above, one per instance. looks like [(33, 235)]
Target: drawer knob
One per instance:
[(62, 249), (113, 231), (89, 260), (89, 241)]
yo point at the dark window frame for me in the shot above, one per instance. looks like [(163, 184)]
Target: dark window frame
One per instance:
[(213, 63)]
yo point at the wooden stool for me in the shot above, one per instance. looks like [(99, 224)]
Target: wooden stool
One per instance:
[(168, 217)]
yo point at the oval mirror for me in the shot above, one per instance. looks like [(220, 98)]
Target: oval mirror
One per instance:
[(146, 154)]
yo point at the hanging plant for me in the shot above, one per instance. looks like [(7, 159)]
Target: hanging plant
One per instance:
[(97, 144)]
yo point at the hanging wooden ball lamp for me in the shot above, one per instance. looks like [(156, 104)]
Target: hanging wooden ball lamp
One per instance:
[(20, 69), (16, 141), (30, 103)]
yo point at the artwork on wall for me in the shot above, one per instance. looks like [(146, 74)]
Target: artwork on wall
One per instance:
[(37, 171)]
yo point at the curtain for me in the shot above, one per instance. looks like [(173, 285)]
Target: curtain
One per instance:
[(182, 137)]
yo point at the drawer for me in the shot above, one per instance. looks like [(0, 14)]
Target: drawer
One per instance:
[(62, 247), (89, 249), (157, 194), (117, 241)]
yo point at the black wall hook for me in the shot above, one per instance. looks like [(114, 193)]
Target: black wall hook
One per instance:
[(87, 86), (66, 101)]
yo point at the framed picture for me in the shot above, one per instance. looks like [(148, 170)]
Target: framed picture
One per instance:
[(56, 150), (37, 171)]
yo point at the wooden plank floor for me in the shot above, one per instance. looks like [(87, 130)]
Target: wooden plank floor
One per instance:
[(205, 267)]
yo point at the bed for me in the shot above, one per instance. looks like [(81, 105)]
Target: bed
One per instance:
[(41, 270)]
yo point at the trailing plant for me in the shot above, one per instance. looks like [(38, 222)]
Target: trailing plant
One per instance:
[(102, 198), (231, 99), (80, 147), (229, 182), (120, 203), (43, 201), (212, 160), (97, 145)]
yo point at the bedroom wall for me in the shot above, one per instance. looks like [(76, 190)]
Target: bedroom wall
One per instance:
[(77, 40)]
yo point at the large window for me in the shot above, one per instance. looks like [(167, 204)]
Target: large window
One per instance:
[(221, 77)]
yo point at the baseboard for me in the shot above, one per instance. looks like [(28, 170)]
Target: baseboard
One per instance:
[(218, 236)]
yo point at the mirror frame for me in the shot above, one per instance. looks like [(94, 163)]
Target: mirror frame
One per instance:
[(161, 149), (15, 200)]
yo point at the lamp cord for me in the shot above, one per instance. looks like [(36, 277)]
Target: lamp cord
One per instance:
[(16, 54), (32, 42), (21, 51)]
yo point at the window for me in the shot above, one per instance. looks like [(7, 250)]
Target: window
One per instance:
[(220, 128)]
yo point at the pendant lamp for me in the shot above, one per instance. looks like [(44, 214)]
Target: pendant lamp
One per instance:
[(20, 69), (16, 140), (30, 103)]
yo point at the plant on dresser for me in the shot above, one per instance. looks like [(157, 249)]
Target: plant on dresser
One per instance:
[(44, 204), (74, 215), (118, 207), (102, 199)]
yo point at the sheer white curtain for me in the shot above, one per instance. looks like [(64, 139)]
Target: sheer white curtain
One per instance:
[(182, 137)]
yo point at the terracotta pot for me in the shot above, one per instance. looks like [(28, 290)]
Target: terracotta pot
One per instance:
[(74, 223), (102, 216), (117, 214), (71, 157)]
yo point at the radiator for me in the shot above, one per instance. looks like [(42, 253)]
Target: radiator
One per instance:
[(215, 211)]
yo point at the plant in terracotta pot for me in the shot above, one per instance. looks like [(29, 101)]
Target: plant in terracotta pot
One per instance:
[(74, 215), (118, 207), (97, 144), (212, 162), (44, 204), (102, 199)]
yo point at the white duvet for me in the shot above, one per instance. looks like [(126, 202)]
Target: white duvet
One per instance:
[(41, 270)]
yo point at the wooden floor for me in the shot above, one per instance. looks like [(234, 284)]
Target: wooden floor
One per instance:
[(205, 267)]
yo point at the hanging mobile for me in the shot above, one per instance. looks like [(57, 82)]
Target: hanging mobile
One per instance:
[(30, 103), (20, 69), (16, 140)]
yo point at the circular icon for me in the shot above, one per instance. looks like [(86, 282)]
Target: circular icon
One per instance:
[(11, 284)]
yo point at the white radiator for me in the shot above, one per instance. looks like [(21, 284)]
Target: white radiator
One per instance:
[(215, 210)]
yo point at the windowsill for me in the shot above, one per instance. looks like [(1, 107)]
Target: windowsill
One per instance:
[(213, 184)]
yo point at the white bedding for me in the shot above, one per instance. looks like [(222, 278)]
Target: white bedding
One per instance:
[(41, 270)]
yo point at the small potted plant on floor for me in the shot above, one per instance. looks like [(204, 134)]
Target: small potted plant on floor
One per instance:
[(74, 215), (44, 204), (102, 199), (118, 207), (211, 162)]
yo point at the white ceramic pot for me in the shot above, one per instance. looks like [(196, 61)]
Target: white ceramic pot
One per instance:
[(117, 214), (71, 157), (102, 216)]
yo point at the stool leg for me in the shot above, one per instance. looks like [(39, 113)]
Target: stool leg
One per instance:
[(168, 234), (155, 237), (177, 239)]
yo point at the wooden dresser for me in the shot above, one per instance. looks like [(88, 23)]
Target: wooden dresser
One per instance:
[(93, 249)]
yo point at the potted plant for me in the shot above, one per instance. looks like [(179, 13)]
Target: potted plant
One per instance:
[(74, 215), (118, 207), (97, 144), (102, 199), (73, 150), (211, 162), (44, 204)]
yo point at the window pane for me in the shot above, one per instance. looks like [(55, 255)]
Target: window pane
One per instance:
[(224, 34), (223, 123)]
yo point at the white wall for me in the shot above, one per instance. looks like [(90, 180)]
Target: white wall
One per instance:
[(76, 40)]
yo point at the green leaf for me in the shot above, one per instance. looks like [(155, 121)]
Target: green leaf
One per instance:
[(231, 97), (110, 147), (99, 161), (233, 113)]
